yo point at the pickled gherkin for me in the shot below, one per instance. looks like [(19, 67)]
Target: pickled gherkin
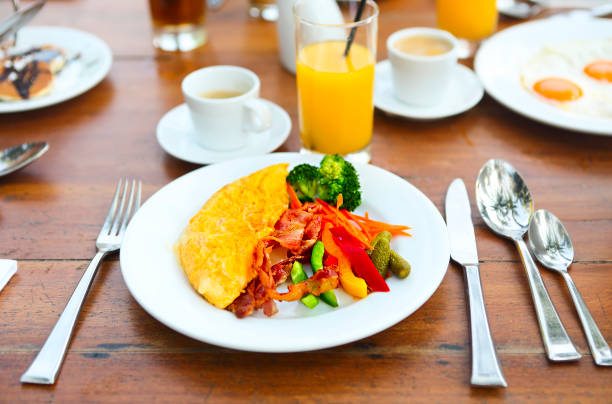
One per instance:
[(398, 265), (381, 252)]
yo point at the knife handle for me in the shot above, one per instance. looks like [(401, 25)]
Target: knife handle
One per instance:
[(558, 345), (486, 369)]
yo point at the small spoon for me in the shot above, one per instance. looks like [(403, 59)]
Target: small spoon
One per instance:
[(14, 158), (506, 206), (551, 244)]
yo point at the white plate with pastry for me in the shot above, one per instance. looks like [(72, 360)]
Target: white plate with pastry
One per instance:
[(50, 65), (157, 281)]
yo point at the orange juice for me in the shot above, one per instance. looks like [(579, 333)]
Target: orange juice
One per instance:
[(335, 96), (467, 19)]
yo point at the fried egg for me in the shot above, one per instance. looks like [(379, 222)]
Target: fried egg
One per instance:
[(574, 76)]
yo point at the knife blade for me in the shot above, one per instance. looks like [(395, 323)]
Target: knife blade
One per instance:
[(459, 223), (486, 369)]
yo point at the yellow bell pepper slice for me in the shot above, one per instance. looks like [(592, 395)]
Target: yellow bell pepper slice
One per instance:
[(353, 285)]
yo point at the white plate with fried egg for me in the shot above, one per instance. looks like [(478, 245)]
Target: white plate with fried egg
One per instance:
[(557, 71)]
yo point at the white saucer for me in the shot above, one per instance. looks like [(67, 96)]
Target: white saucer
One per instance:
[(463, 93), (175, 134)]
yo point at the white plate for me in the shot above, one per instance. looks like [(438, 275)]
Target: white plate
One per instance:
[(500, 58), (463, 93), (175, 134), (158, 283), (77, 77)]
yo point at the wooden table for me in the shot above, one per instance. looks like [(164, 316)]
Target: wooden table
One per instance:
[(51, 213)]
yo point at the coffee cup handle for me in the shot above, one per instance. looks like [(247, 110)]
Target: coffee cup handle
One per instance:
[(259, 116)]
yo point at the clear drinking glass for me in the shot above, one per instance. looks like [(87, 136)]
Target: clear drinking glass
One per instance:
[(470, 21), (264, 9), (335, 89), (178, 25)]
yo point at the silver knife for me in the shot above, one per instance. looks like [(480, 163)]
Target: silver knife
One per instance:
[(486, 369)]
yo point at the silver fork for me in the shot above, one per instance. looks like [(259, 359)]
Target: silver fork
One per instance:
[(47, 363)]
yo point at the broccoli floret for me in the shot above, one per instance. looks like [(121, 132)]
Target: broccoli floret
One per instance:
[(304, 179), (338, 176)]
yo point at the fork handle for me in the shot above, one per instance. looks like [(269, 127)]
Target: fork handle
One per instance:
[(47, 363), (557, 343), (486, 369)]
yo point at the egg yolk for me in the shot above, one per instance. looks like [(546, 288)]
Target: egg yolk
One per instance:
[(600, 70), (557, 89)]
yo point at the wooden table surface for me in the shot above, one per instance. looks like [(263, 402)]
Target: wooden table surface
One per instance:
[(50, 215)]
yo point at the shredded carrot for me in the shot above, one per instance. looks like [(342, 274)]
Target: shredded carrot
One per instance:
[(374, 227), (295, 202), (339, 201), (335, 216), (362, 228)]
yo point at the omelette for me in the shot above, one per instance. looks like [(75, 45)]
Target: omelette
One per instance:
[(217, 249)]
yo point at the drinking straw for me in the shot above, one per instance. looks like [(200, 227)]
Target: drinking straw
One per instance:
[(351, 37)]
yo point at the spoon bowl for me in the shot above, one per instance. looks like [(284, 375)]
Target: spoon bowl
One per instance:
[(15, 158), (503, 199), (518, 9), (506, 206), (550, 241), (552, 246)]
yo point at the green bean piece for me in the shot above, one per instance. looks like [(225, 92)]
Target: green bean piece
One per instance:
[(398, 265), (316, 257), (329, 297), (297, 272), (310, 301), (298, 275), (381, 252)]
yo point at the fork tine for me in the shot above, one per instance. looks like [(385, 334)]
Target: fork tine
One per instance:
[(128, 211), (111, 211), (120, 212), (138, 197)]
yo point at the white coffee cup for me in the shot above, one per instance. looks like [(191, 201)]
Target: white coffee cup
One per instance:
[(421, 80), (225, 123)]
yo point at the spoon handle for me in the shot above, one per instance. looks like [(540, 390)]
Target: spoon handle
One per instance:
[(486, 369), (600, 349), (557, 343)]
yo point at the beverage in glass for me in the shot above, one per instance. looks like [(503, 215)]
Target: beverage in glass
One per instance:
[(178, 25), (335, 88), (469, 20)]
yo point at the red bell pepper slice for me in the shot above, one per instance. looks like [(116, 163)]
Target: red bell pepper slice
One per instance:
[(361, 263), (330, 261)]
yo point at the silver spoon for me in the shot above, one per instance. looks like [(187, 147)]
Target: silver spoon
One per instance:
[(506, 206), (14, 158), (552, 246), (518, 9)]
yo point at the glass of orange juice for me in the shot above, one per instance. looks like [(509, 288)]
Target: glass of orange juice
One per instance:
[(469, 20), (335, 80)]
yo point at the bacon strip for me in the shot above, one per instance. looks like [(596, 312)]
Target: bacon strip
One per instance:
[(297, 230), (322, 281), (311, 234), (281, 270), (289, 229)]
